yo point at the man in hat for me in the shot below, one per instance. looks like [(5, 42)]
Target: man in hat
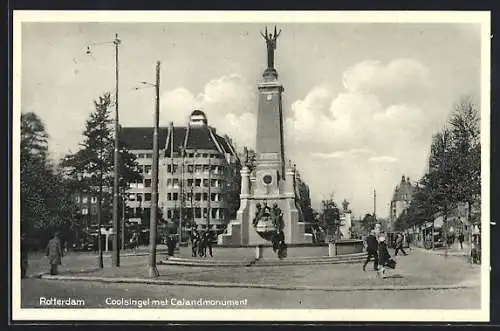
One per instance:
[(54, 253), (371, 249)]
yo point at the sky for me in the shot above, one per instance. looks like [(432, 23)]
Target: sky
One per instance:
[(361, 101)]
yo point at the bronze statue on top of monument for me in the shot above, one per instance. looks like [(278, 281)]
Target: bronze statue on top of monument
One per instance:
[(271, 47)]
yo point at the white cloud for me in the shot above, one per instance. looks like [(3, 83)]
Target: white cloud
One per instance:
[(383, 159), (334, 155)]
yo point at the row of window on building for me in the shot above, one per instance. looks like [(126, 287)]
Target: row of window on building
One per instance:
[(190, 213), (191, 168), (175, 183), (188, 155), (85, 199), (196, 196)]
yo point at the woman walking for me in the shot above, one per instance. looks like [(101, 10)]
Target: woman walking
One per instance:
[(383, 256)]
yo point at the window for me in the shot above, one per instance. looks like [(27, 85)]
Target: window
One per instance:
[(131, 197), (205, 196), (190, 168), (215, 169), (205, 212), (140, 185), (140, 156), (197, 196), (197, 212), (198, 168), (189, 196), (147, 169), (197, 182), (214, 213), (206, 168), (139, 197), (190, 154), (175, 182), (213, 197), (169, 213), (85, 199), (148, 155), (204, 155), (213, 183), (147, 197), (93, 199), (205, 182), (189, 213), (85, 211), (175, 196), (190, 182), (147, 183), (169, 196), (169, 182)]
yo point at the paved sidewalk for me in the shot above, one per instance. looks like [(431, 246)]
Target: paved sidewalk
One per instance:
[(417, 270)]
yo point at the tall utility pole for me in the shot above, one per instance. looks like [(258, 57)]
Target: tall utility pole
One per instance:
[(116, 228), (374, 204), (153, 271)]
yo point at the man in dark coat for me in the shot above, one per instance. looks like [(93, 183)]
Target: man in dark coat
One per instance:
[(371, 249), (54, 253), (399, 245), (461, 240), (383, 256)]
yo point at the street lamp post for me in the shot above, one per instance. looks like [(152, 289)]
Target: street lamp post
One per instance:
[(116, 247), (116, 253)]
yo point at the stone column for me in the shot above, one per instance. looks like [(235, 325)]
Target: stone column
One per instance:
[(245, 183)]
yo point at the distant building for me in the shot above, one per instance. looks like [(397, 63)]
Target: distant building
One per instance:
[(401, 198), (195, 176)]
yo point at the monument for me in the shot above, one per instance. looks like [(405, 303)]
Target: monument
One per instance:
[(267, 199)]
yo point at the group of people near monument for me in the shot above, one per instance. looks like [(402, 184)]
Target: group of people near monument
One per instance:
[(201, 241), (378, 251)]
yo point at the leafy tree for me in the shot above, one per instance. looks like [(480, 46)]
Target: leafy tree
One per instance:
[(92, 166), (331, 218), (46, 205), (466, 153)]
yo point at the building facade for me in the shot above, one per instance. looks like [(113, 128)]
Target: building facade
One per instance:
[(196, 172), (401, 198)]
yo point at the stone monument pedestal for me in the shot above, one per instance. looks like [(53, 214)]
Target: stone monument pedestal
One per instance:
[(273, 183)]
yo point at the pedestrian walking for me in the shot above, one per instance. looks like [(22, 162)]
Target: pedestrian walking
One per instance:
[(409, 240), (399, 245), (24, 255), (383, 256), (209, 240), (55, 253), (371, 249), (461, 240)]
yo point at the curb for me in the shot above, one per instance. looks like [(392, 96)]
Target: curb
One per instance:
[(261, 286)]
